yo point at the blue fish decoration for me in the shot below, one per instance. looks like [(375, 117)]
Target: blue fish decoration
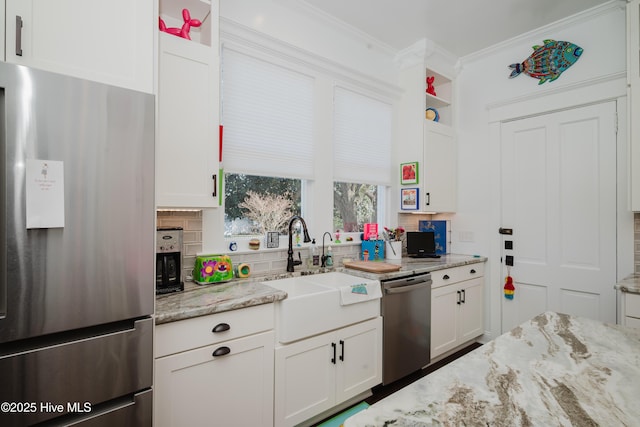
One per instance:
[(548, 61)]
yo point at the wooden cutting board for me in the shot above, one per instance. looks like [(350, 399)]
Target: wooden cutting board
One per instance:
[(372, 266)]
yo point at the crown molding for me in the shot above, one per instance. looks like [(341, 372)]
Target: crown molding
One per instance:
[(543, 32), (425, 51), (303, 7), (246, 39)]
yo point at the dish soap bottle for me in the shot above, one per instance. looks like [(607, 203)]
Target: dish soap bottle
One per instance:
[(329, 260), (315, 256)]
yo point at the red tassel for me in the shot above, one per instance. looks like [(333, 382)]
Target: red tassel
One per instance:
[(509, 289)]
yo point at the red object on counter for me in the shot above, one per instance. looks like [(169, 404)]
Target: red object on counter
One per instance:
[(220, 144)]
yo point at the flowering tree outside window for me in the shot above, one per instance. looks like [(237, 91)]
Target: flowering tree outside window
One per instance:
[(269, 212)]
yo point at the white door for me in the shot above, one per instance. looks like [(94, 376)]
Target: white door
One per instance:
[(559, 198)]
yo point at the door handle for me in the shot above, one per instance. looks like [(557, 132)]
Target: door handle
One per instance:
[(507, 231), (402, 289), (18, 35), (341, 351), (427, 199), (464, 297), (214, 177), (459, 300), (333, 359)]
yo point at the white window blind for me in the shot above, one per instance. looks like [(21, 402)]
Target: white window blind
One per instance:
[(362, 138), (267, 113)]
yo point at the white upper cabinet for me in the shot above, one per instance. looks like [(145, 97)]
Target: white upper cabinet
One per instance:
[(427, 135), (439, 169), (105, 41), (633, 76), (187, 144), (2, 23)]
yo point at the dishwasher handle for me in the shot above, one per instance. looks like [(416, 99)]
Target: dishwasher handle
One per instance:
[(409, 288)]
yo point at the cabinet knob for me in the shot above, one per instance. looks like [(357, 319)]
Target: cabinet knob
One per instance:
[(445, 277), (221, 327), (473, 271), (221, 351)]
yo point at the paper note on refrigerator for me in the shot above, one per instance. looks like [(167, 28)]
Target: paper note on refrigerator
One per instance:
[(45, 193)]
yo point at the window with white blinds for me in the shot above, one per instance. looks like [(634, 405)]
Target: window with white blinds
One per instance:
[(267, 113), (362, 138)]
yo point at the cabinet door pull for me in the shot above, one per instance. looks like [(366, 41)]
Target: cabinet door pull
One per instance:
[(214, 177), (464, 298), (18, 35), (427, 199), (341, 351), (445, 277), (333, 359), (221, 351), (459, 300), (221, 327), (473, 271)]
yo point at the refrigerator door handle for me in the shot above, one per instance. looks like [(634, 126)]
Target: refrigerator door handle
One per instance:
[(18, 35), (4, 171)]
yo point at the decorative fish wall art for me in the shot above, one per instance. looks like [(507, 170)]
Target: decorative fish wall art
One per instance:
[(548, 61)]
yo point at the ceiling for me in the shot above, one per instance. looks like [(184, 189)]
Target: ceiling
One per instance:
[(459, 26)]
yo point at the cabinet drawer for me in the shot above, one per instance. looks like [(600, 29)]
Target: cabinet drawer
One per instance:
[(632, 322), (632, 305), (188, 334), (456, 274)]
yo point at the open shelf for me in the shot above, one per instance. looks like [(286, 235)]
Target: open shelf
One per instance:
[(171, 13), (442, 101)]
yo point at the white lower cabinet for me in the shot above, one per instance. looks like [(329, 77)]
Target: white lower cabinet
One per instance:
[(228, 382), (318, 373), (456, 307), (631, 309)]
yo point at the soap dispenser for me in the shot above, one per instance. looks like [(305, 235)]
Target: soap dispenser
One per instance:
[(329, 260), (315, 256)]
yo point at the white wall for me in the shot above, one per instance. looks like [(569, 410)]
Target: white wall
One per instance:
[(483, 82)]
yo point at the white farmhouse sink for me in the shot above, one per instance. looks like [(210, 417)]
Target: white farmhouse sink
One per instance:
[(313, 305)]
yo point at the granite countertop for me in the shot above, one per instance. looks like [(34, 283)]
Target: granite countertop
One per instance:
[(412, 266), (552, 370), (630, 284), (198, 300)]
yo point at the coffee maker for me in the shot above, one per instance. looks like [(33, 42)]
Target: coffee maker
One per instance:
[(169, 260)]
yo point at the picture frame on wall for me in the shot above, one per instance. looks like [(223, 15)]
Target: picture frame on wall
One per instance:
[(409, 173), (409, 199)]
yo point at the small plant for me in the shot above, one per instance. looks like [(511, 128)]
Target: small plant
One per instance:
[(395, 234), (269, 212)]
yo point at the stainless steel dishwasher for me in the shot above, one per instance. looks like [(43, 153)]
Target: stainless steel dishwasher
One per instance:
[(406, 317)]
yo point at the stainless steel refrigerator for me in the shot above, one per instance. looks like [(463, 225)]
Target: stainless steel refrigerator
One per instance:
[(77, 227)]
